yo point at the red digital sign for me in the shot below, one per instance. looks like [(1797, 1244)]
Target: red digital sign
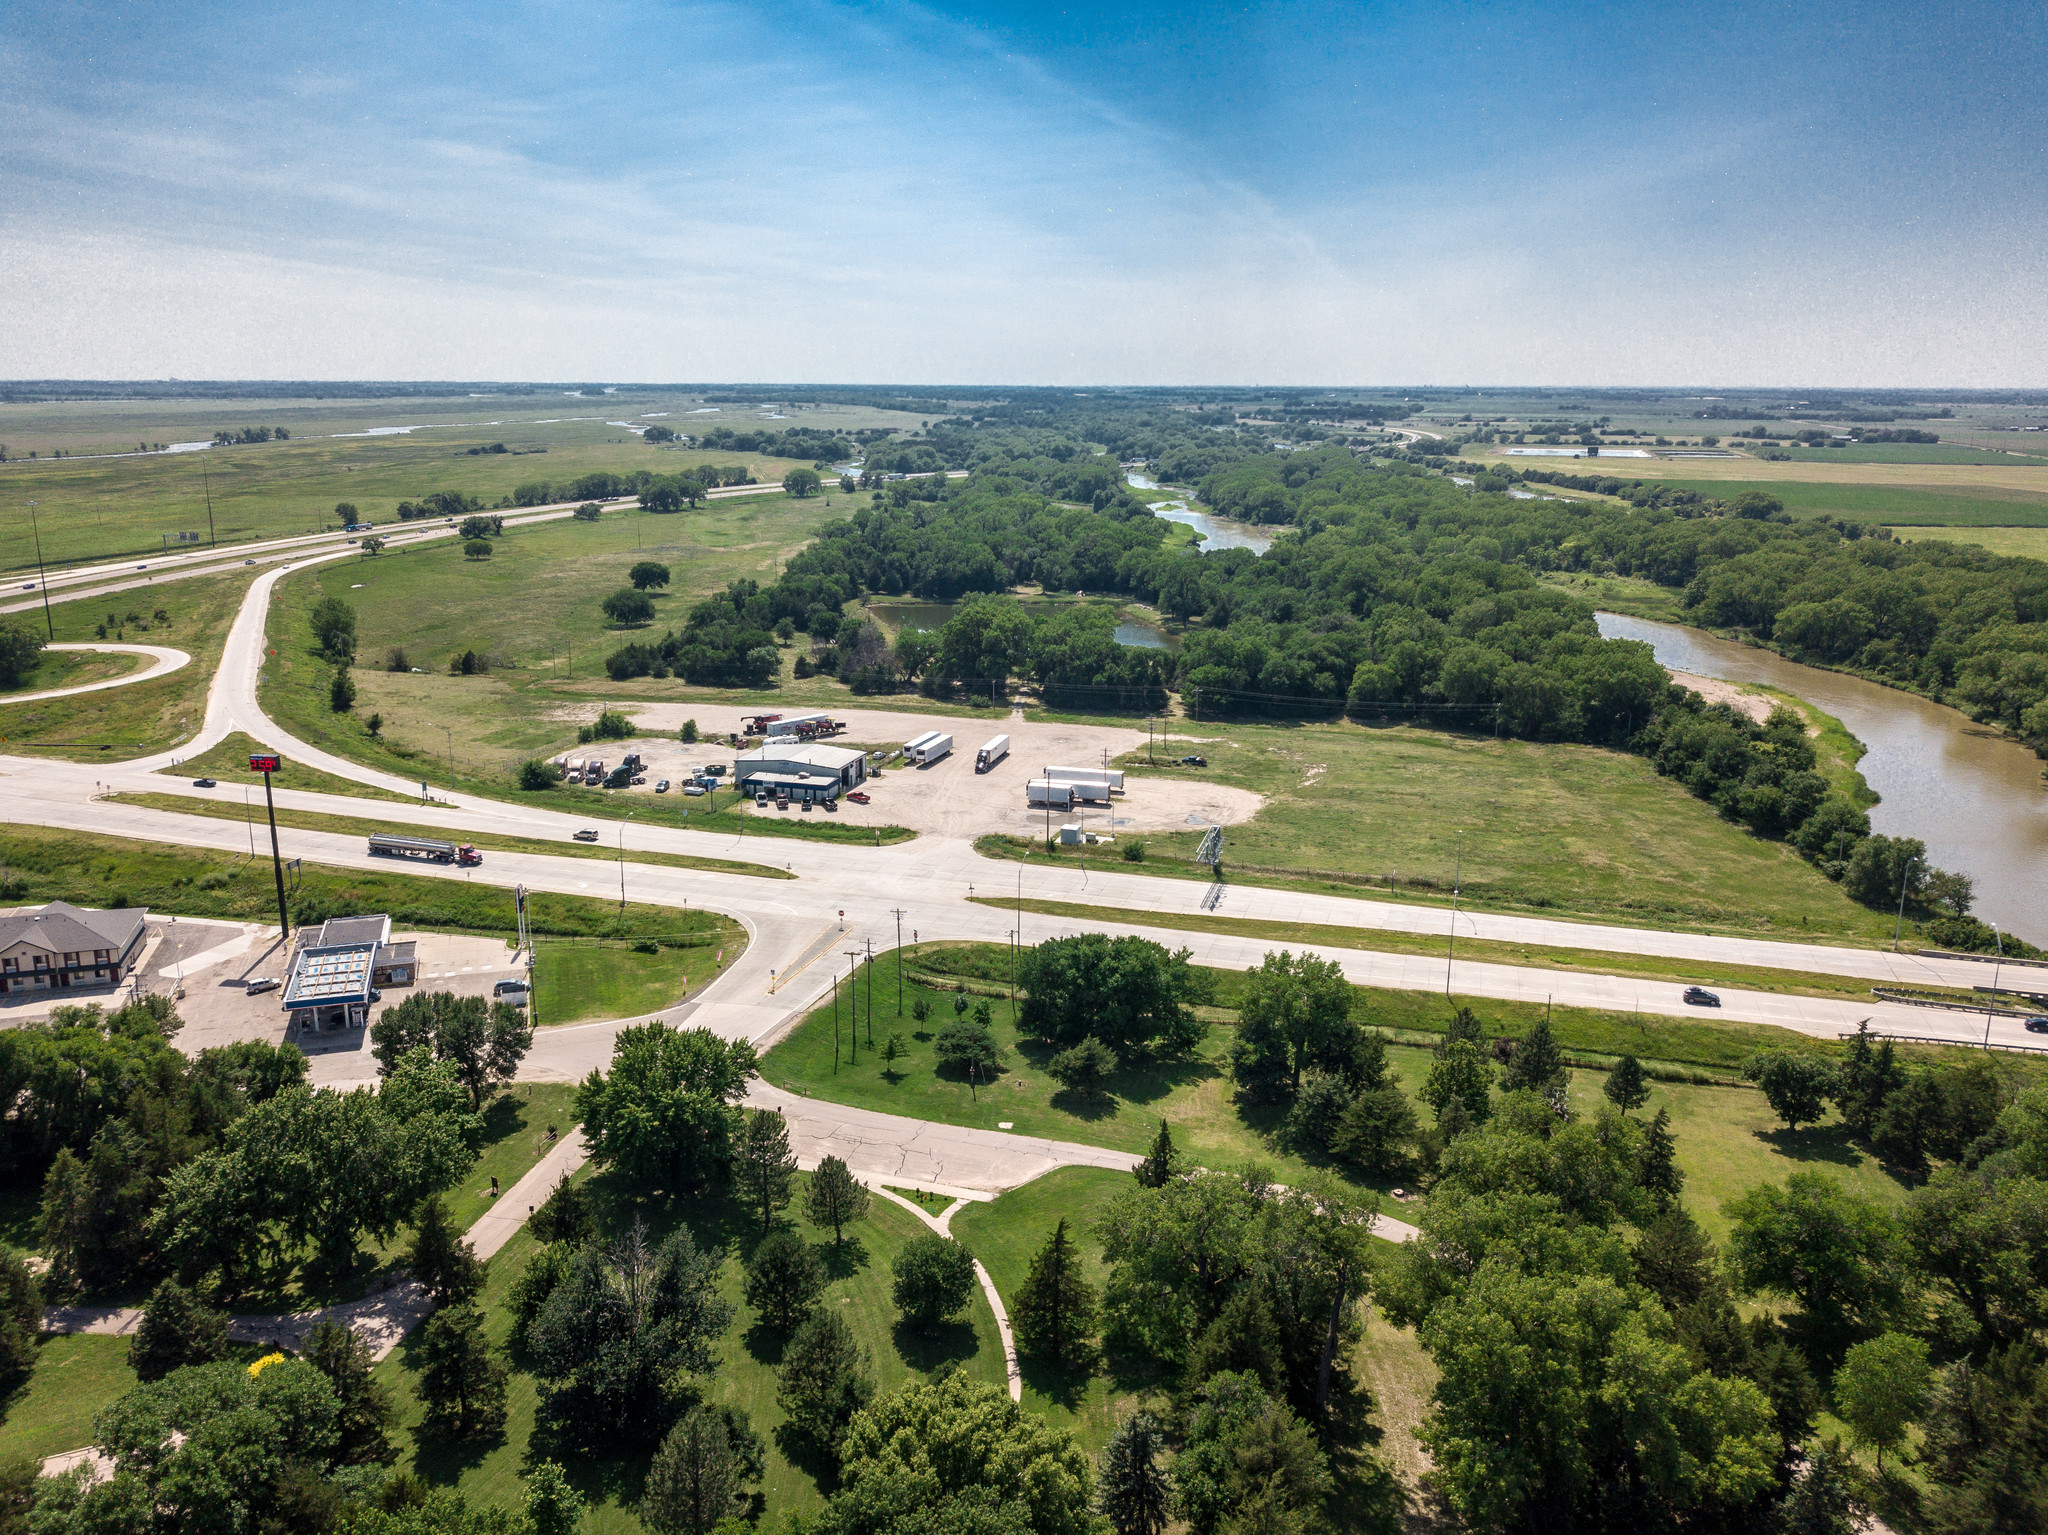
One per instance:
[(261, 764)]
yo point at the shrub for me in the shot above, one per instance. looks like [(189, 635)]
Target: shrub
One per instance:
[(627, 607), (537, 775), (589, 511), (477, 548)]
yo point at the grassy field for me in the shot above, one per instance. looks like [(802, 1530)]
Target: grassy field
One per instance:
[(1625, 594), (228, 762), (1564, 830), (488, 1472), (314, 820), (575, 979), (71, 668), (97, 507), (145, 716), (41, 864), (1958, 504), (2030, 543), (1649, 967)]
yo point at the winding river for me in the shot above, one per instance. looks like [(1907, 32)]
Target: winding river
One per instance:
[(1214, 532), (1976, 798)]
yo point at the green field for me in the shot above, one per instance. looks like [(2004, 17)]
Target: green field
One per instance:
[(1911, 453), (97, 507), (143, 717), (2029, 543), (42, 864), (70, 668), (488, 1472), (315, 820), (1563, 830), (1962, 506), (575, 979)]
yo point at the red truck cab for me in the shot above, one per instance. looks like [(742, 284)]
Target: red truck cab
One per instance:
[(467, 854)]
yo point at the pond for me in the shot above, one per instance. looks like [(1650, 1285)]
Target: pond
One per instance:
[(1975, 797)]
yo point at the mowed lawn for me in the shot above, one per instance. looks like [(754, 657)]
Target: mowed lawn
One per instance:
[(577, 979), (143, 717), (748, 1356), (1572, 830)]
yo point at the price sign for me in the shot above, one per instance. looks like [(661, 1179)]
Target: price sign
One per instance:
[(264, 764)]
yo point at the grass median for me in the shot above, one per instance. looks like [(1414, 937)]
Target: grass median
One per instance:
[(316, 820)]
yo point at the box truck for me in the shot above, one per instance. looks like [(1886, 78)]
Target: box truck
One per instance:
[(991, 753)]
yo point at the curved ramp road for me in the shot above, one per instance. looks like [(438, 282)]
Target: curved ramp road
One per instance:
[(163, 659)]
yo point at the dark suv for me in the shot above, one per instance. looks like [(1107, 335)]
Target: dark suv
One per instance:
[(1699, 996)]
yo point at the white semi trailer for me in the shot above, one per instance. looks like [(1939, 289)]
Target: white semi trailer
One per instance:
[(928, 749), (991, 753), (1043, 792), (1109, 777)]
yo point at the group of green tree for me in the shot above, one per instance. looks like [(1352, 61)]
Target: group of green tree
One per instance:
[(21, 651)]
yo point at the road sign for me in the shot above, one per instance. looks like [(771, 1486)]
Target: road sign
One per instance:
[(261, 763)]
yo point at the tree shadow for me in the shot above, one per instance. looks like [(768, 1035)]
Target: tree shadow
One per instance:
[(1816, 1143), (598, 1477), (1088, 1107), (441, 1458), (814, 1460), (845, 1259), (1064, 1383), (765, 1342), (927, 1350)]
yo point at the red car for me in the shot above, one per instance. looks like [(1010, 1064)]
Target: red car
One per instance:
[(858, 796)]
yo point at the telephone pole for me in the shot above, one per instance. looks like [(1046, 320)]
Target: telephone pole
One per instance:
[(852, 1008), (1450, 953), (870, 965)]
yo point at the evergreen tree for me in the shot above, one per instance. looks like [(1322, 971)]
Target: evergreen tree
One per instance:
[(763, 1166), (825, 1379), (461, 1381), (1537, 1064), (1625, 1087), (21, 1320), (445, 1265), (700, 1474), (1377, 1129), (335, 1351), (1865, 1080), (565, 1217), (176, 1330), (1133, 1493), (1818, 1503), (784, 1279), (1054, 1313), (553, 1505), (1157, 1170), (837, 1199), (1660, 1175)]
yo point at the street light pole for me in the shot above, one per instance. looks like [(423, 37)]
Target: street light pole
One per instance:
[(1457, 880), (1904, 875), (42, 578), (1992, 1002), (448, 732)]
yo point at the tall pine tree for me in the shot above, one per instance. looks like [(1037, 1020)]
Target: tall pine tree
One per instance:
[(1157, 1170), (763, 1166), (1055, 1311), (1134, 1494), (836, 1199)]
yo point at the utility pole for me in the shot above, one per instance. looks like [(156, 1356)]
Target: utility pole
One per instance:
[(42, 577), (1457, 880), (207, 480), (622, 868), (835, 1025), (852, 1008), (1904, 875), (450, 734), (1992, 1000), (870, 966), (266, 764), (897, 913)]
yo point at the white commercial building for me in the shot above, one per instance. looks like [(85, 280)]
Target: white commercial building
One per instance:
[(803, 772)]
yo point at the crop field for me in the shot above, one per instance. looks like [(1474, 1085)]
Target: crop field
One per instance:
[(2030, 543), (370, 453), (145, 717)]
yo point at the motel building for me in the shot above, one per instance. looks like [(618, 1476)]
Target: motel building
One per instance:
[(61, 947)]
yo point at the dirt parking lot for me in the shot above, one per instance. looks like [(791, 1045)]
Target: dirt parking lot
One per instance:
[(949, 799)]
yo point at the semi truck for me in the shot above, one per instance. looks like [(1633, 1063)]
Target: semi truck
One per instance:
[(992, 753), (928, 748), (390, 845), (1109, 777), (593, 770), (1044, 792)]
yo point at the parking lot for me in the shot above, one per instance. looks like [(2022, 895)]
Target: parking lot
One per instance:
[(949, 798)]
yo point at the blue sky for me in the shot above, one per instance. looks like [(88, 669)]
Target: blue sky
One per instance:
[(1006, 192)]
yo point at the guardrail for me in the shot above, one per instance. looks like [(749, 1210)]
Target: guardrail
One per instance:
[(1983, 959), (1959, 1044), (1922, 999)]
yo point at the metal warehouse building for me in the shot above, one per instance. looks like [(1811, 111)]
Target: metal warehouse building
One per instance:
[(805, 772)]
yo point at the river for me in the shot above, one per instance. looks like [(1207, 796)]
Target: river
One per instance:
[(1216, 532), (1976, 798)]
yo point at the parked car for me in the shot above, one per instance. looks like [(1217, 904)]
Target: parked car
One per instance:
[(661, 786), (586, 835), (832, 805), (510, 989), (261, 984), (204, 783), (805, 806), (1192, 762), (858, 796), (1699, 996), (694, 790), (2037, 1025), (761, 800)]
